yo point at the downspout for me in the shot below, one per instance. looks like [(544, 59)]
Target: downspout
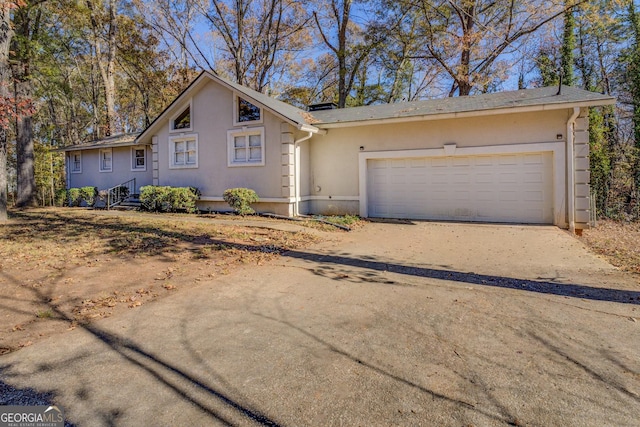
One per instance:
[(571, 170), (68, 169), (296, 169)]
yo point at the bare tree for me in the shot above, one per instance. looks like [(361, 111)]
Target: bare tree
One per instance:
[(467, 37), (103, 18), (351, 43), (259, 37)]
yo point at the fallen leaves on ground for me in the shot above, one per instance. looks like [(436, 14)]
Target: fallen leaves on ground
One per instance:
[(617, 241), (75, 266)]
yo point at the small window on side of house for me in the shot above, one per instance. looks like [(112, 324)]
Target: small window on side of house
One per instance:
[(76, 161), (138, 159), (246, 112), (106, 160)]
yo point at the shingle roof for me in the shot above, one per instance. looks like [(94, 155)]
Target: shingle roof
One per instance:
[(544, 98), (122, 140), (296, 116)]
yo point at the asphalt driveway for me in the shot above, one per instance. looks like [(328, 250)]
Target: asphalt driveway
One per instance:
[(393, 324)]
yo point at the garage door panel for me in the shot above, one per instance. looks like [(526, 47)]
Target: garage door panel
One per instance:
[(491, 188), (533, 159), (533, 178)]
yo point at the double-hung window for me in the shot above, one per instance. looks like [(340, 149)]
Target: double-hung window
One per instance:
[(76, 161), (138, 159), (246, 147), (106, 160), (183, 151)]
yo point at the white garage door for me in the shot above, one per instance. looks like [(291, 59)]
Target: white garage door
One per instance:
[(493, 188)]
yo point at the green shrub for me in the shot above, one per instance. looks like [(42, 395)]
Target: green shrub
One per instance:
[(169, 199), (240, 200), (75, 196), (62, 197), (88, 194)]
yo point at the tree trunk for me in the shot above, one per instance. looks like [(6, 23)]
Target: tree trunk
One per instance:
[(6, 34), (23, 90), (464, 76), (568, 46), (25, 159), (106, 65)]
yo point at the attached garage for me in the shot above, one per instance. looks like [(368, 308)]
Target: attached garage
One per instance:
[(514, 187), (519, 156)]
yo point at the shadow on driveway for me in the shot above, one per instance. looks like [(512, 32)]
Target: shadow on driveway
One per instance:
[(543, 287)]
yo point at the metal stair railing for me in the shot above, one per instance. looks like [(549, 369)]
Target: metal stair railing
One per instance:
[(119, 193)]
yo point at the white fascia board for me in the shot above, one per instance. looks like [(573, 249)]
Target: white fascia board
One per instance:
[(465, 114)]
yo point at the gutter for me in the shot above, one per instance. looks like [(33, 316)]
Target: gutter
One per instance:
[(571, 170), (465, 114)]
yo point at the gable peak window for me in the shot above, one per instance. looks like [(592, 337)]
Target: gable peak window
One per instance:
[(183, 120), (247, 112)]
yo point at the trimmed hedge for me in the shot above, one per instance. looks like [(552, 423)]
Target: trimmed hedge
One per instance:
[(240, 200), (75, 196), (169, 199)]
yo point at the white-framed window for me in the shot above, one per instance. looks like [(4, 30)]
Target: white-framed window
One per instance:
[(183, 121), (106, 159), (75, 160), (246, 147), (245, 112), (138, 158), (183, 151)]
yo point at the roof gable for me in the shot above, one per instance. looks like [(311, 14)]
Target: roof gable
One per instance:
[(295, 116)]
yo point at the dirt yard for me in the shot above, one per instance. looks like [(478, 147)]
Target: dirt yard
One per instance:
[(61, 267), (618, 242)]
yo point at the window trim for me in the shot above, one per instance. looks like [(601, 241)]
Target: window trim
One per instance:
[(184, 106), (105, 150), (236, 112), (245, 131), (71, 162), (172, 152), (134, 167)]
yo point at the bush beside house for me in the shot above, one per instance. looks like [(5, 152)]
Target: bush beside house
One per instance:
[(240, 200), (169, 199), (83, 196)]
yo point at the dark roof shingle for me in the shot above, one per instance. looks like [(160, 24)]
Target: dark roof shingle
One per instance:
[(546, 96)]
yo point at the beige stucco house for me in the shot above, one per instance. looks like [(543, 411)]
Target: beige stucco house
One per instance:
[(108, 162), (520, 157)]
